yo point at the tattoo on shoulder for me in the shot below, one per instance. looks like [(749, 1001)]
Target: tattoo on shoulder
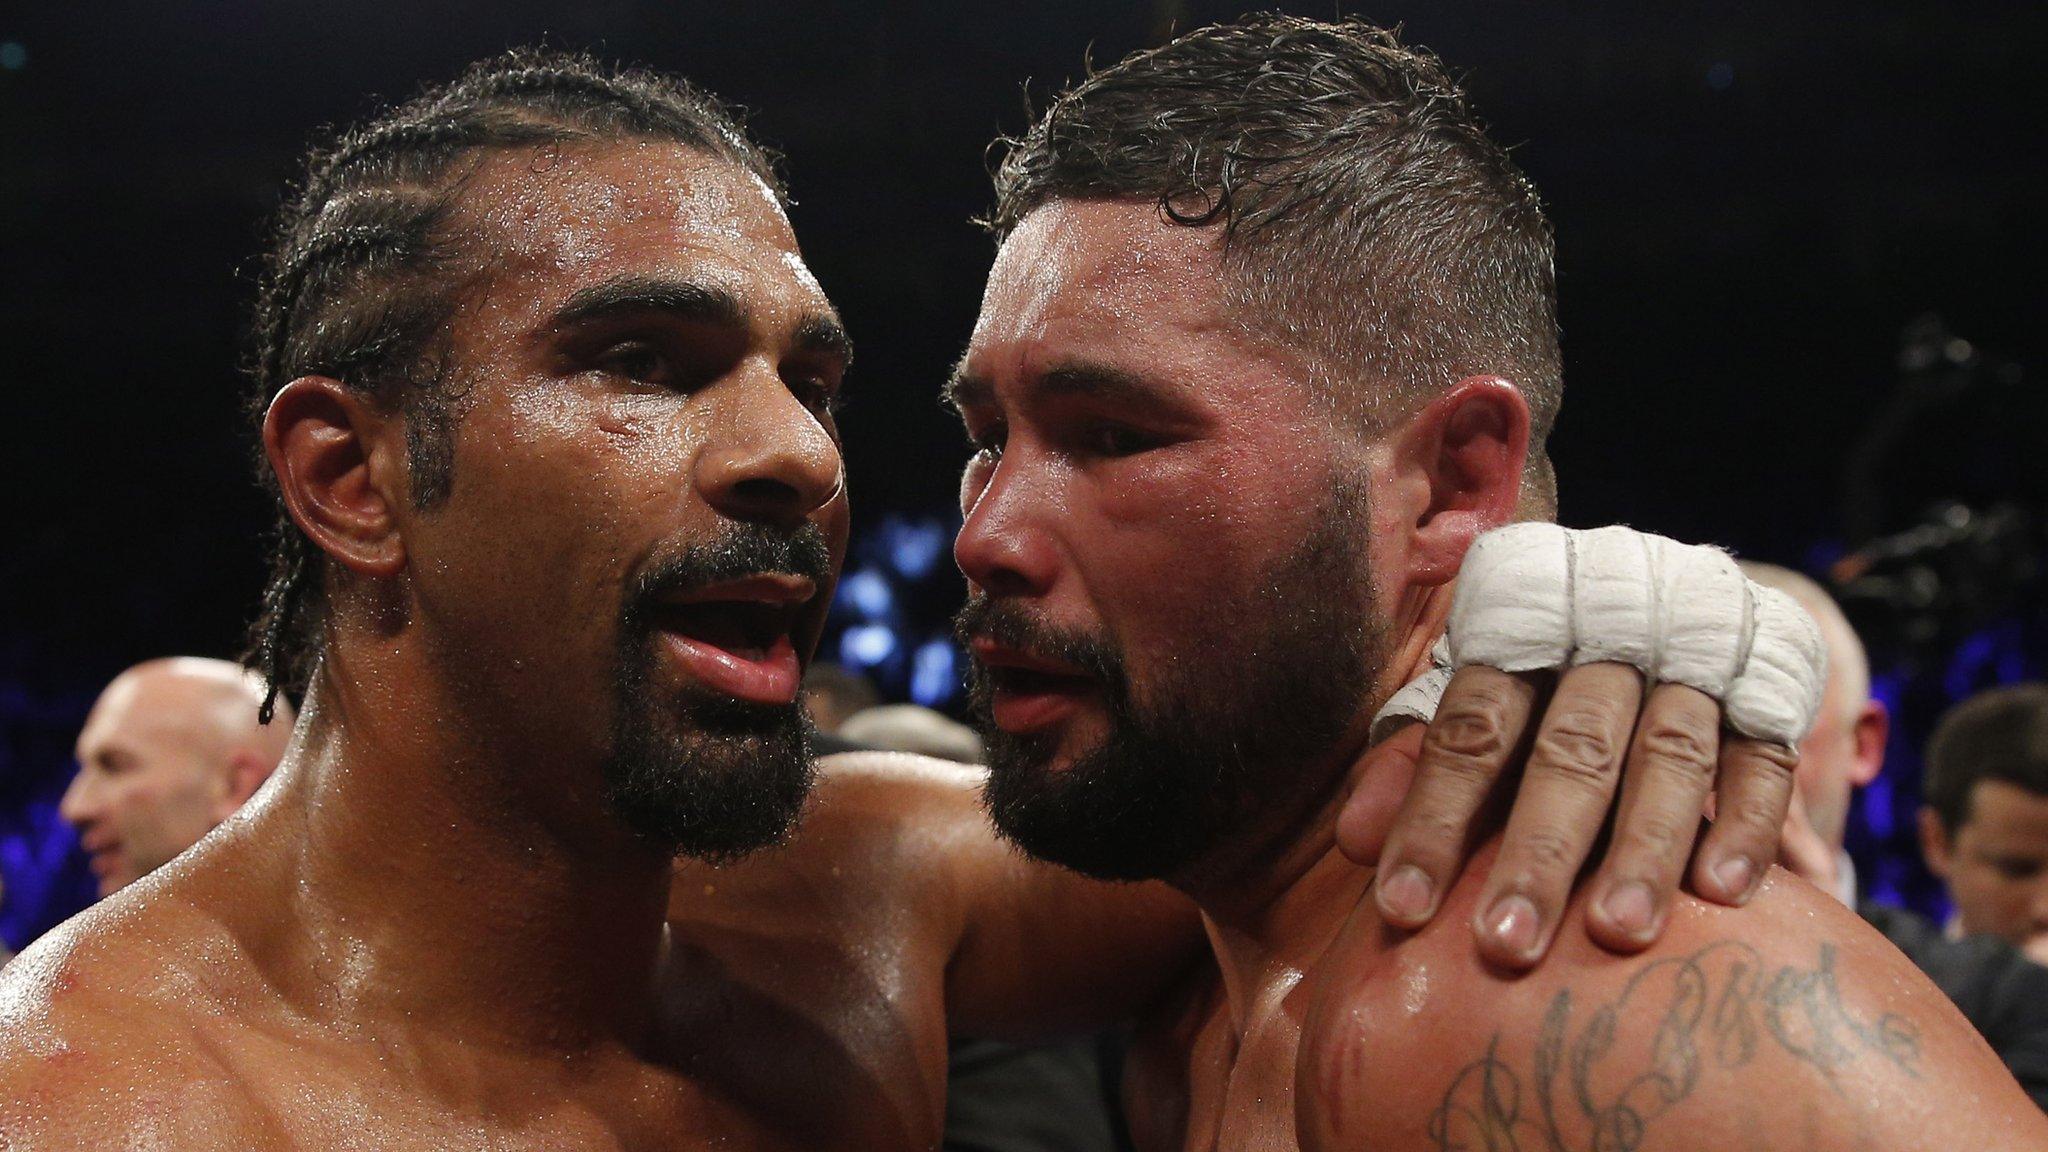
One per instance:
[(1598, 1079)]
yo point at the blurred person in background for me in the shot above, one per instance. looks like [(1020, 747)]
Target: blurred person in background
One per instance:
[(912, 728), (1984, 823), (833, 692), (2001, 992), (1843, 752), (169, 750)]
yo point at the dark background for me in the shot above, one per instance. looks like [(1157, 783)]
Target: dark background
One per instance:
[(1751, 199)]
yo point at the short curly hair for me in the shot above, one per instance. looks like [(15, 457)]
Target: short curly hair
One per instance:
[(364, 272), (1368, 221)]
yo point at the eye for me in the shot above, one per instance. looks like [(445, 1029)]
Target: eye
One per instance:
[(1117, 440), (2014, 868), (988, 442), (818, 395), (638, 361)]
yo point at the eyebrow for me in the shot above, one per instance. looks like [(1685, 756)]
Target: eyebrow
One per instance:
[(1100, 381), (819, 333), (822, 334), (627, 295), (1073, 378), (962, 389)]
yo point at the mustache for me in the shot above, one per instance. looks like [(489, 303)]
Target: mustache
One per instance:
[(741, 551), (1013, 627)]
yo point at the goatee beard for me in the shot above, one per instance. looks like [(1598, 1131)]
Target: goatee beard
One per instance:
[(695, 773)]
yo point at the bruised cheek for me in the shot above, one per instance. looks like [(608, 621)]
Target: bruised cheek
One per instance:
[(1183, 541), (1229, 509)]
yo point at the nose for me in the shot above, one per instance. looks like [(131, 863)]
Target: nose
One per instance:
[(1003, 547), (2038, 908), (77, 806), (772, 460)]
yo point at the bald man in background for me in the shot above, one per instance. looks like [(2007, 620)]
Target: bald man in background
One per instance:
[(2001, 992), (1843, 752), (169, 750)]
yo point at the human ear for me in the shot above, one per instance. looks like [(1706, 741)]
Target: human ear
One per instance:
[(1460, 463), (1873, 724), (1934, 845), (246, 773), (339, 464)]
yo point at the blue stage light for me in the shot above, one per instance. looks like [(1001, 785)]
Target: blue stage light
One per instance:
[(866, 645), (934, 673), (914, 546), (868, 593)]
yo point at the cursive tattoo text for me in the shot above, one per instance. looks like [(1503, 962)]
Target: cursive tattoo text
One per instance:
[(1602, 1075)]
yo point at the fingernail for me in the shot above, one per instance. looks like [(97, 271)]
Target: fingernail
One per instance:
[(1629, 907), (1733, 874), (1407, 894), (1514, 924)]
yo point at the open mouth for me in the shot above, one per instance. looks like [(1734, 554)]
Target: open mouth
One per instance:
[(736, 638), (1030, 692)]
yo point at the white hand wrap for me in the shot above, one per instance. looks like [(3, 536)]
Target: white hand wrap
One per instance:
[(1534, 596)]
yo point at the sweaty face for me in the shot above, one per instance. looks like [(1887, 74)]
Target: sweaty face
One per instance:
[(150, 783), (1997, 866), (1170, 616), (647, 509)]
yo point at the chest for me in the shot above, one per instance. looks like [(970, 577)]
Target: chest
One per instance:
[(748, 1056), (374, 1092), (811, 1040)]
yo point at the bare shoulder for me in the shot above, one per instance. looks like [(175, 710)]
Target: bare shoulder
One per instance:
[(856, 788), (1789, 1024), (105, 1042), (880, 826)]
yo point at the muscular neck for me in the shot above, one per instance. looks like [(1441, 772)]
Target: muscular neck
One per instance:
[(1271, 918), (420, 890)]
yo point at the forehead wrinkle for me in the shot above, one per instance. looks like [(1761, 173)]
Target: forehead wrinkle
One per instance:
[(1088, 270), (543, 214)]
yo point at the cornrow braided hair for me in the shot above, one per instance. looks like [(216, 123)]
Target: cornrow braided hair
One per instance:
[(363, 273)]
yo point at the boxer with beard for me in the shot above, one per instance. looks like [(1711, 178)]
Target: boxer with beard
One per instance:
[(1268, 342), (546, 395)]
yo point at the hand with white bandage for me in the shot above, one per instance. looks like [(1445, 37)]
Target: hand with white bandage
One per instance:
[(1590, 619)]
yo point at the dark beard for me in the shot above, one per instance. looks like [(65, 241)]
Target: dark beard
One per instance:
[(715, 778), (1222, 745)]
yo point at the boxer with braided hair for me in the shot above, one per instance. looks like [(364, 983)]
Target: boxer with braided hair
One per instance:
[(545, 394), (365, 271)]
